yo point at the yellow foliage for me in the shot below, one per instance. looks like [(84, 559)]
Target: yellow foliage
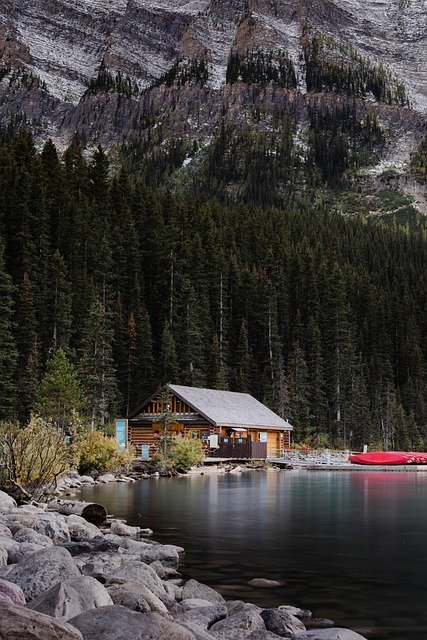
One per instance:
[(97, 451)]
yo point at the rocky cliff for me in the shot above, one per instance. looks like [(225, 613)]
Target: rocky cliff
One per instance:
[(145, 72)]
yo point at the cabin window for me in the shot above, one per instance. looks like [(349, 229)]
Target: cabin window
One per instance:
[(263, 436), (195, 435)]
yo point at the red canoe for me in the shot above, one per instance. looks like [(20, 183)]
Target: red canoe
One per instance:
[(389, 457)]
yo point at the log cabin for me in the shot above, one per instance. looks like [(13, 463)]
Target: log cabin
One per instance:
[(230, 424)]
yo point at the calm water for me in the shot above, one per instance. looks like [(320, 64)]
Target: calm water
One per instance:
[(349, 546)]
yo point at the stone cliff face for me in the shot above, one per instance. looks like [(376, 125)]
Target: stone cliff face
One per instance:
[(114, 69)]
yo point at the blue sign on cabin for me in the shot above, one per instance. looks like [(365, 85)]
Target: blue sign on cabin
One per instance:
[(121, 433), (145, 452)]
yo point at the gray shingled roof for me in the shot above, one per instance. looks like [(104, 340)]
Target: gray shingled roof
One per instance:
[(229, 409)]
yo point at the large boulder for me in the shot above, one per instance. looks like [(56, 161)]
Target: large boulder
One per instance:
[(81, 530), (281, 622), (6, 502), (3, 557), (13, 592), (116, 622), (195, 589), (29, 535), (94, 593), (100, 564), (262, 634), (136, 571), (23, 550), (238, 626), (51, 525), (60, 601), (5, 532), (42, 570), (328, 634), (137, 597), (20, 623), (71, 597), (203, 617)]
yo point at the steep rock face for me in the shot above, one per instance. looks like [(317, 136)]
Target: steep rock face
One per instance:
[(142, 72)]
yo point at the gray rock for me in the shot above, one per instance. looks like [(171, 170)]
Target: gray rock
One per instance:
[(136, 571), (5, 570), (295, 611), (106, 478), (94, 546), (100, 564), (14, 592), (83, 531), (264, 583), (194, 603), (71, 597), (6, 501), (121, 529), (60, 601), (3, 557), (20, 623), (203, 617), (119, 623), (137, 597), (42, 570), (318, 623), (262, 634), (238, 626), (150, 553), (5, 532), (158, 568), (199, 632), (195, 589), (328, 634), (281, 622), (8, 543), (25, 549), (87, 480), (29, 535), (93, 592), (234, 606)]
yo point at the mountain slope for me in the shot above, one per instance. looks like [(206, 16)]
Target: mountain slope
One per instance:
[(148, 73)]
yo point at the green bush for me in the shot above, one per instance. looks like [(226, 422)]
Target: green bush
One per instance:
[(96, 451), (185, 452)]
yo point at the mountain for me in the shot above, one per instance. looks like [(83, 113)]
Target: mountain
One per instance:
[(173, 83)]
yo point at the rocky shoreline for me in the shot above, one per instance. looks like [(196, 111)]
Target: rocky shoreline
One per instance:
[(64, 578)]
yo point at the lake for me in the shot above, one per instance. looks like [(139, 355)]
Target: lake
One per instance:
[(351, 546)]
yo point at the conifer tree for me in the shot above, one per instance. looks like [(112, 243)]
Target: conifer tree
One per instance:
[(8, 350), (28, 346), (60, 394), (96, 366), (168, 360)]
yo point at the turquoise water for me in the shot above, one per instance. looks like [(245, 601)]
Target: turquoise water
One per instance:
[(349, 546)]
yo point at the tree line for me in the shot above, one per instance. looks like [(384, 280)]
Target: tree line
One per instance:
[(110, 288)]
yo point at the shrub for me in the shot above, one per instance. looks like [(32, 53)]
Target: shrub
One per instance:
[(33, 457), (185, 452), (97, 451)]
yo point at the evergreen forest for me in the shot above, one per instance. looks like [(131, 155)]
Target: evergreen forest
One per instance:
[(116, 285)]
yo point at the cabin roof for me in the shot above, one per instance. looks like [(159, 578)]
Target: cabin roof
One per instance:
[(227, 408)]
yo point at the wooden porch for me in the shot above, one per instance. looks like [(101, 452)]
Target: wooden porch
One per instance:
[(248, 450)]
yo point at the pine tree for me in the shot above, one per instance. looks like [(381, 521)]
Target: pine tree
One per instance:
[(60, 394), (28, 345), (168, 360), (8, 350), (299, 393), (96, 366)]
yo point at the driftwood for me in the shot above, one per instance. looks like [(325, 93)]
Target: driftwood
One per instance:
[(90, 511)]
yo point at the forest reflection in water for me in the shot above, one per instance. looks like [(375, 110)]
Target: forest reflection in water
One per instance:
[(348, 545)]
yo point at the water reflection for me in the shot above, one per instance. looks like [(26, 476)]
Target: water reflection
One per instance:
[(348, 545)]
